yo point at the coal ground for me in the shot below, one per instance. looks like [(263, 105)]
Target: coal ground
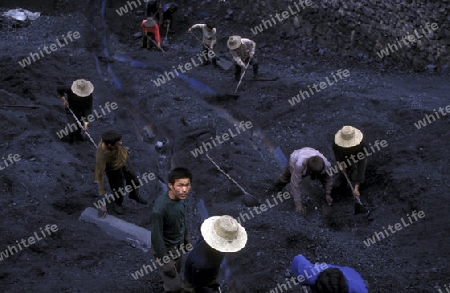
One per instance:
[(52, 181)]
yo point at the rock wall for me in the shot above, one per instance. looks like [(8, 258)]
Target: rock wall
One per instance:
[(412, 33)]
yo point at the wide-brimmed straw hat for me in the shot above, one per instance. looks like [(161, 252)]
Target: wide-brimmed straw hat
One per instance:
[(224, 233), (348, 136), (234, 42), (150, 22), (82, 87)]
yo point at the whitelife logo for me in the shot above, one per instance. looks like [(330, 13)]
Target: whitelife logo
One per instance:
[(53, 48), (27, 242), (280, 16), (423, 123), (11, 158), (397, 226), (323, 85), (409, 39), (90, 118), (335, 169), (204, 147)]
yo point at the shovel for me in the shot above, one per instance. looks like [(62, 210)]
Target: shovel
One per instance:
[(249, 199), (358, 204), (242, 76), (81, 127)]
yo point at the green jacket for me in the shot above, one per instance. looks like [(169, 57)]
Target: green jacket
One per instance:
[(168, 224)]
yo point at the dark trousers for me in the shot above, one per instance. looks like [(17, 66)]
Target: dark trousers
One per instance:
[(116, 178), (75, 133), (171, 283), (238, 69), (147, 40), (205, 50)]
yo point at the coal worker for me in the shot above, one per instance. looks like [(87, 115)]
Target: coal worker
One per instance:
[(243, 52), (349, 151), (168, 226), (79, 100), (209, 38), (221, 235), (112, 158), (302, 163), (169, 10), (327, 278), (154, 9), (150, 32)]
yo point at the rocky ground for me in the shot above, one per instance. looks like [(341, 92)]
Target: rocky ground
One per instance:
[(51, 182)]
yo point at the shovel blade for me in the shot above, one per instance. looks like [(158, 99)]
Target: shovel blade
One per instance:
[(224, 64)]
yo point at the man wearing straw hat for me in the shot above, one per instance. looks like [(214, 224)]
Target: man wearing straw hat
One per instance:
[(168, 227), (209, 38), (150, 33), (348, 143), (302, 163), (221, 235), (79, 99), (243, 52)]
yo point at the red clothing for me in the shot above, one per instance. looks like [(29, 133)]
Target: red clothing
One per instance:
[(154, 30)]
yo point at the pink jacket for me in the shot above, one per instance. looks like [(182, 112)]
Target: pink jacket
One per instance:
[(297, 166)]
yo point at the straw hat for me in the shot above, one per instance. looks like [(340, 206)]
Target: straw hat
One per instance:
[(224, 233), (348, 137), (150, 22), (234, 42), (82, 87)]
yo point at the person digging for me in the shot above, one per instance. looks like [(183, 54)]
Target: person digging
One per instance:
[(243, 52), (112, 158), (209, 39), (302, 163), (150, 33)]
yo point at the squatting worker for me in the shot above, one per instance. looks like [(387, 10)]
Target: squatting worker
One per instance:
[(221, 235), (113, 158), (243, 52), (209, 38), (168, 226), (348, 142), (325, 278), (79, 99), (302, 163), (150, 32)]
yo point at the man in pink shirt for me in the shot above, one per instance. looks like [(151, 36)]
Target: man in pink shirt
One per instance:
[(150, 33), (302, 163)]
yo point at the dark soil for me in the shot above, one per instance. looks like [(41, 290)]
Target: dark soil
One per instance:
[(52, 183)]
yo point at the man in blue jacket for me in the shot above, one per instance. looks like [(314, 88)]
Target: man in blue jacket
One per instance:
[(327, 278)]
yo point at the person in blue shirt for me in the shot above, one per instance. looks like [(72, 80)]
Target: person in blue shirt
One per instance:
[(327, 278), (221, 235)]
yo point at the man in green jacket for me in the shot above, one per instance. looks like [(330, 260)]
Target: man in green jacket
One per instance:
[(169, 234)]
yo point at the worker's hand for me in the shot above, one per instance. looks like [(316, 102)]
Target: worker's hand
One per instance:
[(356, 191), (250, 56), (65, 102), (102, 212), (189, 30), (329, 199), (158, 45), (341, 167), (169, 269), (86, 126), (302, 209)]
